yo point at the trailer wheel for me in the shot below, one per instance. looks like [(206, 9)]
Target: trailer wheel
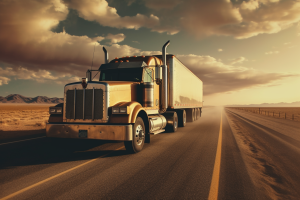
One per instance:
[(197, 113), (190, 114), (181, 118), (138, 137)]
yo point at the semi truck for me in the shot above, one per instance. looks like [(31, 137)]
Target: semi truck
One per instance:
[(134, 97)]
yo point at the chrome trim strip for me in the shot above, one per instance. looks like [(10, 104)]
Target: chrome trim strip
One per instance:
[(107, 102), (74, 102), (164, 94), (152, 111), (171, 81), (83, 102), (105, 55), (93, 103)]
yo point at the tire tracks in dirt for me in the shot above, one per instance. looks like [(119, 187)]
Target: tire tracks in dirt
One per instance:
[(267, 175)]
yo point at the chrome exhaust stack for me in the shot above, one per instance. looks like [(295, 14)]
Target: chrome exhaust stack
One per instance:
[(164, 91), (106, 55)]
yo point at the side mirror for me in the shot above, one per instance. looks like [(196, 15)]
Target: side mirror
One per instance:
[(158, 73)]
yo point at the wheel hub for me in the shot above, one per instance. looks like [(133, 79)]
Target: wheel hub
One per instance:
[(139, 134)]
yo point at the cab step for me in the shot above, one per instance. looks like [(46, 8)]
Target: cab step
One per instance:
[(158, 131)]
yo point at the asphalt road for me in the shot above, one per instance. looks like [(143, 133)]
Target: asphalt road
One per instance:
[(248, 162)]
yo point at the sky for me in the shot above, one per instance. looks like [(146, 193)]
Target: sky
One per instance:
[(245, 52)]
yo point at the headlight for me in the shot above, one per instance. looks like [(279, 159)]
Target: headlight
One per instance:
[(59, 110), (120, 110), (55, 110), (123, 110), (115, 110)]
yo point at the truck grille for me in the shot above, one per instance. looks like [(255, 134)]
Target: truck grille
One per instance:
[(80, 104)]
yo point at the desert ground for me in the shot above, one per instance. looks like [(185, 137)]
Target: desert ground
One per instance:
[(23, 116), (22, 120), (289, 113)]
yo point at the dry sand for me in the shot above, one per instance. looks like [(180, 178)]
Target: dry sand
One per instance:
[(290, 113), (15, 117), (268, 149), (20, 120)]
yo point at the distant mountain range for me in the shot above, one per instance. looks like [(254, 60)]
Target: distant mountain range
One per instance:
[(16, 98), (282, 104)]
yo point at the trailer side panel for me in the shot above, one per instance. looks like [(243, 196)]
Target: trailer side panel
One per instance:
[(185, 88)]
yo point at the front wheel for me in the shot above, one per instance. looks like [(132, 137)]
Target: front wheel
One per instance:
[(138, 137)]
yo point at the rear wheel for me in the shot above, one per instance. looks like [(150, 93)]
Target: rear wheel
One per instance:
[(190, 114), (138, 137), (181, 118), (172, 121)]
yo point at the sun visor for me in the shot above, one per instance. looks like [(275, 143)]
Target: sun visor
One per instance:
[(120, 65)]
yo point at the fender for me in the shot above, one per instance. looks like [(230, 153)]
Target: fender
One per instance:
[(134, 109)]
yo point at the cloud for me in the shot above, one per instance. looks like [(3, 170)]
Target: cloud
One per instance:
[(240, 19), (218, 77), (30, 50), (98, 10), (238, 60), (29, 42), (263, 16), (4, 80), (271, 52), (115, 38), (39, 76), (220, 50), (162, 4)]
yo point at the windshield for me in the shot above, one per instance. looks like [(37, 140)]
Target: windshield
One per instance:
[(126, 74)]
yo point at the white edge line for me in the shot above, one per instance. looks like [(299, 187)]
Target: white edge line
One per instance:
[(22, 140)]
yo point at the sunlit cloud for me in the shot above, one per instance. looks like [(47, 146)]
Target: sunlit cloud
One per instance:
[(115, 38), (4, 80), (241, 19), (100, 11), (238, 60), (31, 51), (41, 76), (220, 78), (271, 52)]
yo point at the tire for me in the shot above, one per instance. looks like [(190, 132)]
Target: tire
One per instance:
[(172, 121), (181, 118), (190, 114), (138, 137), (196, 113)]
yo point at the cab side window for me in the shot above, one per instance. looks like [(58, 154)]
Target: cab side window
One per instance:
[(148, 75)]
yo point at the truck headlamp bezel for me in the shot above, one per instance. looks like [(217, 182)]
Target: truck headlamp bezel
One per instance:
[(120, 110), (115, 110), (123, 110), (58, 110), (55, 110)]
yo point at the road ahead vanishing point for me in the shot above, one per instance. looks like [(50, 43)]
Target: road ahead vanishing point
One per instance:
[(226, 154)]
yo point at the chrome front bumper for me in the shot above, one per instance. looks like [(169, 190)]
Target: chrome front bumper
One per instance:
[(90, 131)]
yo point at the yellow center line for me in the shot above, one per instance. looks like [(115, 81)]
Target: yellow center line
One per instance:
[(55, 176), (214, 186)]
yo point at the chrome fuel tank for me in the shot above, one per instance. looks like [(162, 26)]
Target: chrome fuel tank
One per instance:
[(157, 122)]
